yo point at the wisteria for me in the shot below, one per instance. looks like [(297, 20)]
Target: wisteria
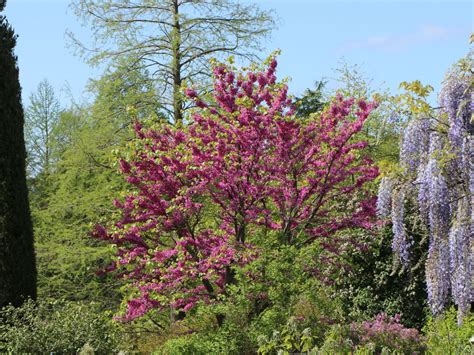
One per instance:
[(401, 241), (455, 98), (437, 156), (415, 144), (423, 194), (461, 256), (384, 197)]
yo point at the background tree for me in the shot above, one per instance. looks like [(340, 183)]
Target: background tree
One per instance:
[(82, 181), (41, 116), (17, 258), (312, 100), (173, 39), (382, 129)]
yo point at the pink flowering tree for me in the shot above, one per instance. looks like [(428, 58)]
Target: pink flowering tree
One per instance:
[(203, 198)]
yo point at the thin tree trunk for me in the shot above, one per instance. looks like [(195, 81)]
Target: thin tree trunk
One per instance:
[(176, 67)]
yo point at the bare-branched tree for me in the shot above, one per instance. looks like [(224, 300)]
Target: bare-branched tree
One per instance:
[(172, 40)]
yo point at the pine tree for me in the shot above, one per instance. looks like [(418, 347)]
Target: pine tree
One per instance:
[(17, 258)]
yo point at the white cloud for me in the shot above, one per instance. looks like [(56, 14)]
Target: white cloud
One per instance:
[(395, 43)]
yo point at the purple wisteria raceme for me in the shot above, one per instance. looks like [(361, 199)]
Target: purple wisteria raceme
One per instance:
[(437, 275), (470, 177), (384, 198), (460, 248), (437, 263), (423, 183), (401, 242), (439, 211), (415, 143), (456, 100)]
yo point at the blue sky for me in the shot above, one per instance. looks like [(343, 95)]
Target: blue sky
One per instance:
[(393, 41)]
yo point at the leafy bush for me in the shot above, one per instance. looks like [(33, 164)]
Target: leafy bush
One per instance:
[(225, 340), (375, 284), (444, 336), (263, 299), (59, 327), (290, 339)]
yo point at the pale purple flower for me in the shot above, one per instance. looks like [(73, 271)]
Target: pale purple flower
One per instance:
[(460, 247), (437, 263), (438, 275), (415, 143), (456, 100), (423, 183), (401, 242), (384, 198)]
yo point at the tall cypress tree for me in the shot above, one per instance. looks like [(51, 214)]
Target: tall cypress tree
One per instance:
[(17, 258)]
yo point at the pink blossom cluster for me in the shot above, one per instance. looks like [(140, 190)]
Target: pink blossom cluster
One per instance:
[(386, 331), (203, 196)]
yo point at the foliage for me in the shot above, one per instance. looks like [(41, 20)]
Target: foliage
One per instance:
[(262, 299), (246, 168), (17, 257), (82, 181), (226, 340), (374, 283), (59, 327), (290, 339), (414, 99), (444, 336), (382, 128)]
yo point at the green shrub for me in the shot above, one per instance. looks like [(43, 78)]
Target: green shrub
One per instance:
[(226, 340), (375, 284), (288, 340), (444, 336), (57, 327)]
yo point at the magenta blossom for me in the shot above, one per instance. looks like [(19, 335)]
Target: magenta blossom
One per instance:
[(204, 196)]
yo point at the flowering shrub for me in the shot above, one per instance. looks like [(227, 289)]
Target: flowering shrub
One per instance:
[(387, 332), (205, 196)]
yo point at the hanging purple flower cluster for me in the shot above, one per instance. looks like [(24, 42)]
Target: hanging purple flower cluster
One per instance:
[(384, 197), (391, 203), (414, 145), (401, 241), (437, 157)]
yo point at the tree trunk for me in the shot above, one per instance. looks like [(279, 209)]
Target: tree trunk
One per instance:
[(176, 67)]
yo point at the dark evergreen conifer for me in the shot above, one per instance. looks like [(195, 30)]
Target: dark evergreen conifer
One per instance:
[(17, 258)]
